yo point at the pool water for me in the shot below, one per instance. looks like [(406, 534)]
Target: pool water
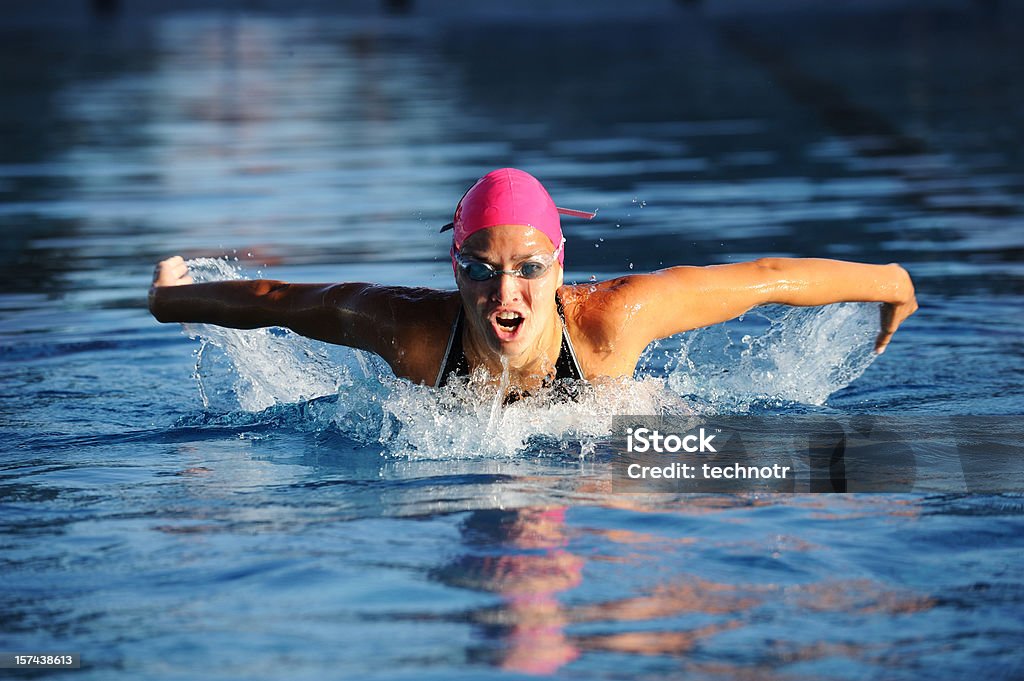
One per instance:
[(191, 502)]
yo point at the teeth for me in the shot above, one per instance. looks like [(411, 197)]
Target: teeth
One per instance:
[(507, 315)]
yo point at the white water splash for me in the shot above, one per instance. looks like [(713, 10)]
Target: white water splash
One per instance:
[(256, 368), (499, 398), (458, 421), (804, 355)]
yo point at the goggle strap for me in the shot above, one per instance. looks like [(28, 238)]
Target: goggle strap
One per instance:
[(586, 215)]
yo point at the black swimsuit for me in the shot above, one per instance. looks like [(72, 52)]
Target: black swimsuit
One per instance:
[(455, 362)]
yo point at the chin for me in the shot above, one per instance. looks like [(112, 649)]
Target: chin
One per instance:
[(511, 349)]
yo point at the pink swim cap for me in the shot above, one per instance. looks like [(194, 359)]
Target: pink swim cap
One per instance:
[(509, 197)]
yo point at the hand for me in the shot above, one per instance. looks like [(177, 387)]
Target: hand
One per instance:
[(171, 272), (892, 315)]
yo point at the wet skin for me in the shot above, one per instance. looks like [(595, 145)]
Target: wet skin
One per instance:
[(610, 323), (507, 316)]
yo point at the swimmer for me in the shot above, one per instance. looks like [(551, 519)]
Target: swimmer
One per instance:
[(512, 306)]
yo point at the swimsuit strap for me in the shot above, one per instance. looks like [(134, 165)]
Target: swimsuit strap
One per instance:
[(455, 361), (566, 366)]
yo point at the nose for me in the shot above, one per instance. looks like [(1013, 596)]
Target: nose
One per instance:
[(506, 289)]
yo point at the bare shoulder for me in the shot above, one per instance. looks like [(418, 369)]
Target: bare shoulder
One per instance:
[(420, 312), (407, 326), (602, 306), (424, 319), (602, 318)]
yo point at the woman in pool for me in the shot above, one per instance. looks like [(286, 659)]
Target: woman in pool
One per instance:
[(512, 308)]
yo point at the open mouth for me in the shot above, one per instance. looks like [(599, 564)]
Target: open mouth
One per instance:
[(507, 324), (509, 320)]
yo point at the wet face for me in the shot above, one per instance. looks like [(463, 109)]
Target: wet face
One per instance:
[(512, 316)]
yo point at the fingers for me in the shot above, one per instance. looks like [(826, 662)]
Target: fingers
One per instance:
[(891, 316), (171, 272), (886, 318), (882, 341)]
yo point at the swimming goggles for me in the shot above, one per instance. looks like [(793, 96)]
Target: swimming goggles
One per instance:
[(534, 268)]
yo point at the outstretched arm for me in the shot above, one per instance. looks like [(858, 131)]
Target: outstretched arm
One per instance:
[(682, 298), (336, 313), (407, 327)]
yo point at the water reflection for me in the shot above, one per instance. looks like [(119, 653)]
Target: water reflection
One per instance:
[(525, 557), (520, 556), (531, 575)]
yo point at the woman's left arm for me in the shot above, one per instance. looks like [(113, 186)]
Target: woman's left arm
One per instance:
[(815, 281), (682, 298)]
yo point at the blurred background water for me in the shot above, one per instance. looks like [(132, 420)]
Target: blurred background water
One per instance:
[(275, 508)]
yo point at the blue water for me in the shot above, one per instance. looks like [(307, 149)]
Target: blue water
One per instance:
[(193, 503)]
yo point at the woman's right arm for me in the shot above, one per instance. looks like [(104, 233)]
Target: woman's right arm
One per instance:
[(407, 327), (345, 314)]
